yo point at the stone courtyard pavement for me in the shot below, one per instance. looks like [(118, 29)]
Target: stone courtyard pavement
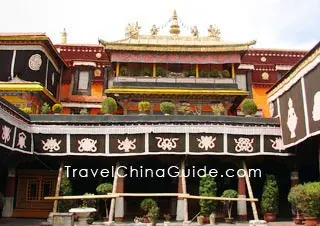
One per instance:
[(36, 222)]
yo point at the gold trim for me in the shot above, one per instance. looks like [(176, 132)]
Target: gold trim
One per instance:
[(35, 87), (294, 73), (219, 92)]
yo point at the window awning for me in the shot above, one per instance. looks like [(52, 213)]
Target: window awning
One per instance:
[(84, 63)]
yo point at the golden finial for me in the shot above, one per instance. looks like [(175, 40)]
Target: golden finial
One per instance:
[(64, 37), (174, 28)]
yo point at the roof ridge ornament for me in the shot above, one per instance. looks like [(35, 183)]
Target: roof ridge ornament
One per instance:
[(174, 28), (132, 30), (214, 32), (195, 31), (154, 30)]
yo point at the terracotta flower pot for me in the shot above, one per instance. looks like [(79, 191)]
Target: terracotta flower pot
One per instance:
[(310, 221), (298, 220), (269, 217)]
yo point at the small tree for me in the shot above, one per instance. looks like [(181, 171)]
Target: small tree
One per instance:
[(65, 190), (109, 105), (57, 108), (270, 195), (104, 189), (45, 108), (88, 202), (143, 106), (295, 196), (151, 207), (208, 187), (225, 74), (249, 107), (229, 194), (167, 108)]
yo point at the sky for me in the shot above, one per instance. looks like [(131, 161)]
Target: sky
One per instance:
[(285, 24)]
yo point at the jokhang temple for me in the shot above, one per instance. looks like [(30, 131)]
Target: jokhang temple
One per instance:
[(190, 71)]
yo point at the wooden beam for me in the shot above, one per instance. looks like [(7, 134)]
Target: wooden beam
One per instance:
[(233, 71), (217, 198), (154, 70), (80, 197), (197, 70), (184, 190), (253, 204), (146, 194), (114, 190), (117, 68), (55, 204)]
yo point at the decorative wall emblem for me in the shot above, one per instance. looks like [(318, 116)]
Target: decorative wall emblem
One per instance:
[(206, 142), (98, 55), (167, 143), (277, 144), (127, 145), (6, 134), (292, 119), (263, 59), (271, 108), (22, 140), (265, 76), (87, 145), (97, 72), (316, 107), (51, 145), (244, 144), (35, 62)]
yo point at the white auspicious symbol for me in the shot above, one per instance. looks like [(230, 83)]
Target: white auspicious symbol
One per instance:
[(166, 143), (87, 145), (277, 144), (22, 140), (316, 107), (265, 76), (244, 144), (271, 108), (206, 142), (6, 134), (51, 145), (35, 62), (292, 119), (127, 145)]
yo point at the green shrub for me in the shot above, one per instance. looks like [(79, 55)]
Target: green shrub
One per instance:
[(57, 108), (229, 194), (215, 73), (217, 109), (45, 108), (190, 73), (147, 204), (249, 107), (306, 198), (146, 72), (185, 109), (65, 190), (124, 71), (270, 195), (26, 110), (161, 72), (167, 108), (225, 74), (109, 105), (143, 106), (104, 189), (208, 187), (88, 202)]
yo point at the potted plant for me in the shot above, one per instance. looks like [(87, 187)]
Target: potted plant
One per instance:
[(215, 73), (185, 109), (228, 203), (167, 218), (161, 72), (270, 198), (109, 106), (295, 196), (143, 107), (225, 74), (249, 107), (84, 111), (208, 187), (57, 108), (217, 109), (167, 108), (151, 207), (104, 189), (308, 202), (45, 108), (88, 203), (26, 110)]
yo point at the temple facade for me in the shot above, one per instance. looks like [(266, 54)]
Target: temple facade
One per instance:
[(196, 74)]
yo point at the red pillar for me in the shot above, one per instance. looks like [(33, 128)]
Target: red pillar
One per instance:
[(242, 205)]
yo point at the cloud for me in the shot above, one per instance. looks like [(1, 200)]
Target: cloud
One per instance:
[(273, 23)]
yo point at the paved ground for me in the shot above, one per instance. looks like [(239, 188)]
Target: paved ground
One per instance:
[(36, 222)]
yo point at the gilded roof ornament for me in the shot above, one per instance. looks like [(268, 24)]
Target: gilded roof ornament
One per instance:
[(195, 31), (132, 30), (214, 32), (154, 30), (174, 28)]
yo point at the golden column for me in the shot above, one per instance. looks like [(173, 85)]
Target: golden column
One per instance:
[(197, 71), (233, 73), (154, 70), (118, 69)]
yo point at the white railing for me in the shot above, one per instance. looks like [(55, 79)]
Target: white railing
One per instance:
[(174, 80)]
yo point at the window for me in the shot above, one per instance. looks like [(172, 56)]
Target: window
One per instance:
[(38, 189), (242, 82), (82, 82)]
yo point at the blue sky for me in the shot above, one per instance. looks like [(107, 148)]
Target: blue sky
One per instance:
[(273, 23)]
